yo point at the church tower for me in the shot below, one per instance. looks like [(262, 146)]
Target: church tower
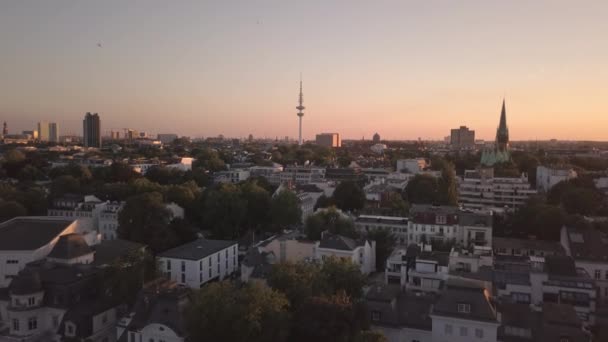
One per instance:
[(502, 133)]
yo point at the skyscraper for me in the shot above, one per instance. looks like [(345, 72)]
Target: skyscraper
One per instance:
[(462, 137), (43, 131), (300, 108), (53, 132), (91, 130)]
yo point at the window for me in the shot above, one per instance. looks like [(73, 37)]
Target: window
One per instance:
[(464, 308), (606, 275), (183, 278), (448, 329), (168, 265), (32, 323), (210, 272), (55, 321), (104, 319), (12, 262), (200, 265), (16, 324), (598, 274), (183, 266), (464, 331), (375, 316), (31, 301), (479, 333)]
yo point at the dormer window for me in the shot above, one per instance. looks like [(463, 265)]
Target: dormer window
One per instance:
[(375, 316), (441, 219), (464, 308), (70, 329)]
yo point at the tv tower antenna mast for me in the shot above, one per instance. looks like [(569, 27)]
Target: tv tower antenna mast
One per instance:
[(300, 109)]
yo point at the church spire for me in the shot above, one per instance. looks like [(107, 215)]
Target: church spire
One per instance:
[(502, 133)]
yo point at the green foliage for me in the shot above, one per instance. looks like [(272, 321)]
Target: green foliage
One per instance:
[(324, 202), (535, 218), (145, 219), (122, 279), (330, 220), (258, 205), (394, 203), (223, 312), (65, 185), (578, 196), (448, 189), (285, 210), (210, 160), (422, 189), (165, 175), (10, 209), (224, 212), (349, 196), (385, 243)]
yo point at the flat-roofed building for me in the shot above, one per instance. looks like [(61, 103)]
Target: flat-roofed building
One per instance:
[(328, 140)]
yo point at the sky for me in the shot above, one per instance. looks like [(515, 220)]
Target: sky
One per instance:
[(404, 69)]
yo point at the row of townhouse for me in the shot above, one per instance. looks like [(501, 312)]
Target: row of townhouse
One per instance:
[(429, 223)]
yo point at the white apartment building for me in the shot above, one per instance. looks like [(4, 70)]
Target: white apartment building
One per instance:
[(108, 220), (547, 177), (362, 253), (464, 313), (303, 174), (271, 173), (414, 166), (396, 225), (449, 224), (231, 176), (200, 261), (479, 189), (589, 248)]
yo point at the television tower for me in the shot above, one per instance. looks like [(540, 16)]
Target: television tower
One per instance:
[(300, 108), (4, 129)]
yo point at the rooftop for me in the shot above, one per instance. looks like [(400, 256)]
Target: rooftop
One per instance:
[(70, 246), (551, 247), (476, 299), (197, 249), (331, 241), (588, 244), (29, 233)]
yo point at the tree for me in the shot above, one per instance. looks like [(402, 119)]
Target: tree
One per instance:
[(145, 219), (65, 185), (223, 312), (343, 275), (448, 191), (324, 202), (10, 209), (422, 189), (224, 212), (385, 243), (330, 220), (349, 196), (370, 336), (258, 205), (393, 201), (285, 210), (298, 281), (123, 278)]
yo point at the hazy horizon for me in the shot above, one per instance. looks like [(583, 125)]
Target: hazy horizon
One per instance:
[(402, 69)]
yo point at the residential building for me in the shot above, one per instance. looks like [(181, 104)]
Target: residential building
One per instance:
[(291, 246), (526, 247), (549, 322), (547, 177), (231, 176), (463, 260), (271, 173), (196, 263), (27, 239), (464, 313), (414, 166), (108, 220), (303, 174), (589, 249), (328, 140), (430, 223), (396, 225), (359, 252), (479, 189), (340, 174), (157, 315), (166, 138), (462, 138), (400, 316), (184, 164), (91, 126)]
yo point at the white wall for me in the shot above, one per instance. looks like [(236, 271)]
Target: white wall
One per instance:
[(489, 330)]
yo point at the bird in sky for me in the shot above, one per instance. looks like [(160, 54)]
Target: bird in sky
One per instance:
[(98, 44)]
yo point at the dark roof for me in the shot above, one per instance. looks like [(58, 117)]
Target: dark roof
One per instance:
[(381, 219), (552, 247), (332, 241), (442, 258), (479, 219), (70, 246), (26, 282), (82, 315), (560, 266), (197, 249), (160, 302), (588, 244), (459, 293), (29, 233), (399, 309), (108, 251)]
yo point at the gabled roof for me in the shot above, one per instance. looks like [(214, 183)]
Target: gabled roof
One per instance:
[(588, 244), (30, 233), (70, 246), (480, 308), (197, 249), (339, 242)]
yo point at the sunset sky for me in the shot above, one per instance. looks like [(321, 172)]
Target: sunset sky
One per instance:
[(404, 69)]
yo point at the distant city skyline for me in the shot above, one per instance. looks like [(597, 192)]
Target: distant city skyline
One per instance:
[(404, 70)]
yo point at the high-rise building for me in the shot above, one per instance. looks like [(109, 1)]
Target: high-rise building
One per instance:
[(43, 131), (91, 130), (329, 140), (53, 132), (462, 138), (4, 129), (300, 109)]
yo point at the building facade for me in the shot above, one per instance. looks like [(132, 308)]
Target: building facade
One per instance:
[(547, 177), (479, 189), (91, 126), (462, 138), (328, 140)]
